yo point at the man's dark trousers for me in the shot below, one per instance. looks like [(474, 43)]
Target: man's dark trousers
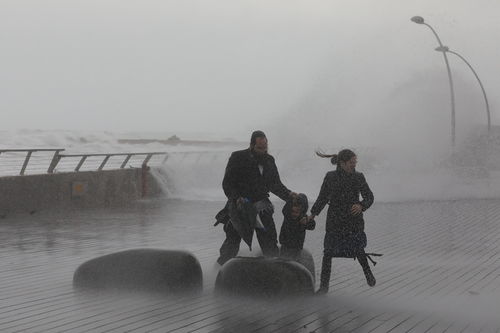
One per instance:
[(267, 238)]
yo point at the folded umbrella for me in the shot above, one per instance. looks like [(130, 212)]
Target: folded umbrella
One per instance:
[(243, 217)]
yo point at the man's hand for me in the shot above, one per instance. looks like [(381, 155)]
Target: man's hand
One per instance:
[(356, 209), (306, 219)]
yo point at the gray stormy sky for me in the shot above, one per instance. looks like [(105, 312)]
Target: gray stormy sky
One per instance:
[(225, 65)]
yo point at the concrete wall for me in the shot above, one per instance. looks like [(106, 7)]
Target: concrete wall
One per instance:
[(74, 190)]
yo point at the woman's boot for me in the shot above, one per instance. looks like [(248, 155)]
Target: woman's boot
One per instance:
[(370, 279), (326, 269)]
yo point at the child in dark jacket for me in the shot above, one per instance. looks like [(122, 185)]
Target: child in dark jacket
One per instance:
[(293, 232)]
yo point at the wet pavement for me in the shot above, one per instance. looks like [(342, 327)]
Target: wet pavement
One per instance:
[(440, 272)]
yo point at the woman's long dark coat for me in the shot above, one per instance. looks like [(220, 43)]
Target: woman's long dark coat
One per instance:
[(345, 234)]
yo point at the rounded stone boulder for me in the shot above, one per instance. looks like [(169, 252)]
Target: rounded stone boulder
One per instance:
[(303, 257), (264, 277), (306, 259), (142, 269)]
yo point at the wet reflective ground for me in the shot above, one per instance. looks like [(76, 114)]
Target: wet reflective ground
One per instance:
[(440, 272)]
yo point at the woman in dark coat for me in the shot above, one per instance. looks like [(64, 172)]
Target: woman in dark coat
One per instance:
[(345, 236)]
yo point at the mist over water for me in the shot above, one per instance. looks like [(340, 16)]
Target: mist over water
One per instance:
[(313, 75), (402, 139), (198, 176), (403, 142)]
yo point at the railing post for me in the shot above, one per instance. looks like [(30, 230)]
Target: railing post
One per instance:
[(165, 159), (104, 162), (84, 157), (125, 161), (26, 160), (146, 160), (55, 160), (144, 175)]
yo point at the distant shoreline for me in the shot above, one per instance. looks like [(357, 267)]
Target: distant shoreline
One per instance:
[(179, 142)]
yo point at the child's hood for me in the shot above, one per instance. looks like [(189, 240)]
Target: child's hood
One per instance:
[(302, 201)]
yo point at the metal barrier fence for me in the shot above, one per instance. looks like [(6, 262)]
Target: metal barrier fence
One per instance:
[(58, 162)]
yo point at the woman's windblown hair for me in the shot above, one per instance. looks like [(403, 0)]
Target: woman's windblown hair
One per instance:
[(344, 155), (333, 157)]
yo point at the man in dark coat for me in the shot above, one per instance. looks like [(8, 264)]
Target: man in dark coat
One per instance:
[(249, 177)]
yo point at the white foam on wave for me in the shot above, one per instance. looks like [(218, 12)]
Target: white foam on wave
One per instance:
[(466, 173), (195, 172)]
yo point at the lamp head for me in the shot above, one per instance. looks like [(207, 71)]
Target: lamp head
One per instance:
[(418, 19), (442, 49)]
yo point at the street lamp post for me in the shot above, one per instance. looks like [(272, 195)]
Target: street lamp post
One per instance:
[(447, 49), (420, 20)]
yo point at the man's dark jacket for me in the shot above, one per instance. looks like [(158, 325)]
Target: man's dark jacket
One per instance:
[(243, 179), (341, 190)]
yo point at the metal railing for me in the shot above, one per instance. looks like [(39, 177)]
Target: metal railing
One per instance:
[(57, 157), (30, 152), (83, 158)]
